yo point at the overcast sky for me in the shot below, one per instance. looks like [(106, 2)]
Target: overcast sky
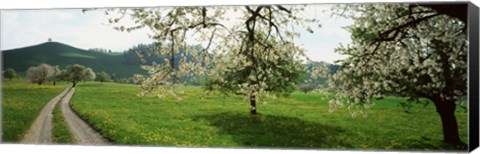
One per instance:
[(20, 28)]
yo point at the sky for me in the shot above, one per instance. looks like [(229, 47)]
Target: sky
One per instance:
[(20, 28)]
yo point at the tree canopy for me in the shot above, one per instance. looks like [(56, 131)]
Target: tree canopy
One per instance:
[(250, 55), (39, 74), (89, 74), (396, 50), (409, 50), (56, 76), (102, 77), (76, 73), (10, 73)]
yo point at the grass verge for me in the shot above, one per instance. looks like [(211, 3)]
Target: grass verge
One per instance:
[(61, 133)]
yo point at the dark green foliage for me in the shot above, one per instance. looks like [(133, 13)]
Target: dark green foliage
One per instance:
[(142, 55), (305, 88), (131, 57), (103, 77), (319, 81), (99, 50), (135, 54), (75, 73), (10, 73)]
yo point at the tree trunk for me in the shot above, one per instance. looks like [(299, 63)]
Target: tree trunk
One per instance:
[(253, 104), (74, 84), (446, 110), (53, 82)]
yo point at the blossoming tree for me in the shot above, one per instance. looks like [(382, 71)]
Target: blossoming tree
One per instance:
[(251, 52), (407, 50)]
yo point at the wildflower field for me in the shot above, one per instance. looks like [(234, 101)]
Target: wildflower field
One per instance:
[(214, 120), (22, 103)]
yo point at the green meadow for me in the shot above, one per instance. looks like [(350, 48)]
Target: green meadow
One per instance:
[(21, 104), (214, 120)]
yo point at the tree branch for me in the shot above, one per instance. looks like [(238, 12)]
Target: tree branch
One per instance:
[(283, 9), (456, 10), (384, 35)]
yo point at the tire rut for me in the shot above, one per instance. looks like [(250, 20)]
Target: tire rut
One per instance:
[(81, 131), (40, 132)]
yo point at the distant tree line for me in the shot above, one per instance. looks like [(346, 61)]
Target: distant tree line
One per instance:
[(313, 82), (72, 73), (140, 54), (329, 68), (131, 56), (75, 73), (100, 50)]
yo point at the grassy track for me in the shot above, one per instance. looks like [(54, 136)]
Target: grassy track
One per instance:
[(299, 121), (21, 104), (61, 133)]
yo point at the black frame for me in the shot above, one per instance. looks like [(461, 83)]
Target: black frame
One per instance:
[(473, 95)]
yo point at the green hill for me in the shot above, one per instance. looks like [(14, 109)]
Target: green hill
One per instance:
[(55, 53), (123, 65)]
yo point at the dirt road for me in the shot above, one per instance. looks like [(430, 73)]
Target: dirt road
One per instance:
[(41, 130), (81, 131)]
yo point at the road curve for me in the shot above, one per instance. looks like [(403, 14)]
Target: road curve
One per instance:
[(81, 131), (40, 131)]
